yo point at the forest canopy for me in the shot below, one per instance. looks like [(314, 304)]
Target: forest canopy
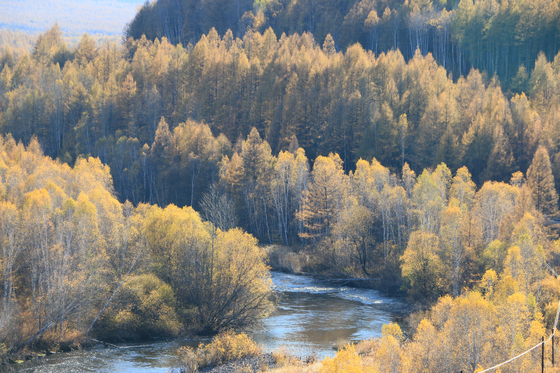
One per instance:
[(108, 101), (413, 143), (500, 37)]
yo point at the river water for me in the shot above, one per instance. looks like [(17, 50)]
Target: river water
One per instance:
[(312, 318)]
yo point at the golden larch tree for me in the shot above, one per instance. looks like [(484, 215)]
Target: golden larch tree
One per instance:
[(541, 182)]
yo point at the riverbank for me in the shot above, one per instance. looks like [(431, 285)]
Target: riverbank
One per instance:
[(351, 357), (253, 364), (11, 360), (267, 363), (302, 261), (313, 319)]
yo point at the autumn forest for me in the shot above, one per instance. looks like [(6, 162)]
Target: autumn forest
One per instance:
[(145, 185)]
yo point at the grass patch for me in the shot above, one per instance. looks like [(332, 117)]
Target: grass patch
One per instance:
[(283, 357)]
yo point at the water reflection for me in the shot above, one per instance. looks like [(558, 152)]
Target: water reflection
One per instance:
[(312, 317)]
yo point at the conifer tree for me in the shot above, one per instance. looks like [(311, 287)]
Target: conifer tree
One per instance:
[(322, 197), (541, 182)]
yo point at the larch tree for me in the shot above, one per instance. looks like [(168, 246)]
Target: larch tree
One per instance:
[(541, 182), (463, 188), (323, 197), (257, 170)]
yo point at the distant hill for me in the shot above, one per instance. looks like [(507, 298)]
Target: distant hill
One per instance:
[(75, 17), (16, 40), (498, 37)]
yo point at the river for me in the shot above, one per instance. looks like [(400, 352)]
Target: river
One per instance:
[(312, 317)]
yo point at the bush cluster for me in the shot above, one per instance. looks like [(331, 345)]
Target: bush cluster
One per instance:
[(224, 347)]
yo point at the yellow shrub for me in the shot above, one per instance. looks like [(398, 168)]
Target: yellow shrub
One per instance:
[(392, 329), (346, 360), (149, 311), (223, 348)]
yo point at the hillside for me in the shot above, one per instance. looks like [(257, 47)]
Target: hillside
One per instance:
[(108, 101), (493, 36)]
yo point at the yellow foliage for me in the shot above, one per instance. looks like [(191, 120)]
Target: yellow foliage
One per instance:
[(37, 200), (422, 268), (536, 331), (319, 204), (346, 360), (423, 350), (514, 265), (392, 329), (442, 311), (506, 286), (146, 308), (494, 255), (223, 348), (127, 320), (488, 283), (221, 274), (388, 355)]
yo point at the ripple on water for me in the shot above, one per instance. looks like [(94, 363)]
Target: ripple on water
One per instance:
[(295, 283)]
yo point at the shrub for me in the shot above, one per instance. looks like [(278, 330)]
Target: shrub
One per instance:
[(224, 347), (283, 357), (223, 275), (54, 340), (143, 308), (346, 360)]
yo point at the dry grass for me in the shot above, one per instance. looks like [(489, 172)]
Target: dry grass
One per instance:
[(223, 348), (283, 357), (298, 368), (367, 347), (54, 341), (287, 362)]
